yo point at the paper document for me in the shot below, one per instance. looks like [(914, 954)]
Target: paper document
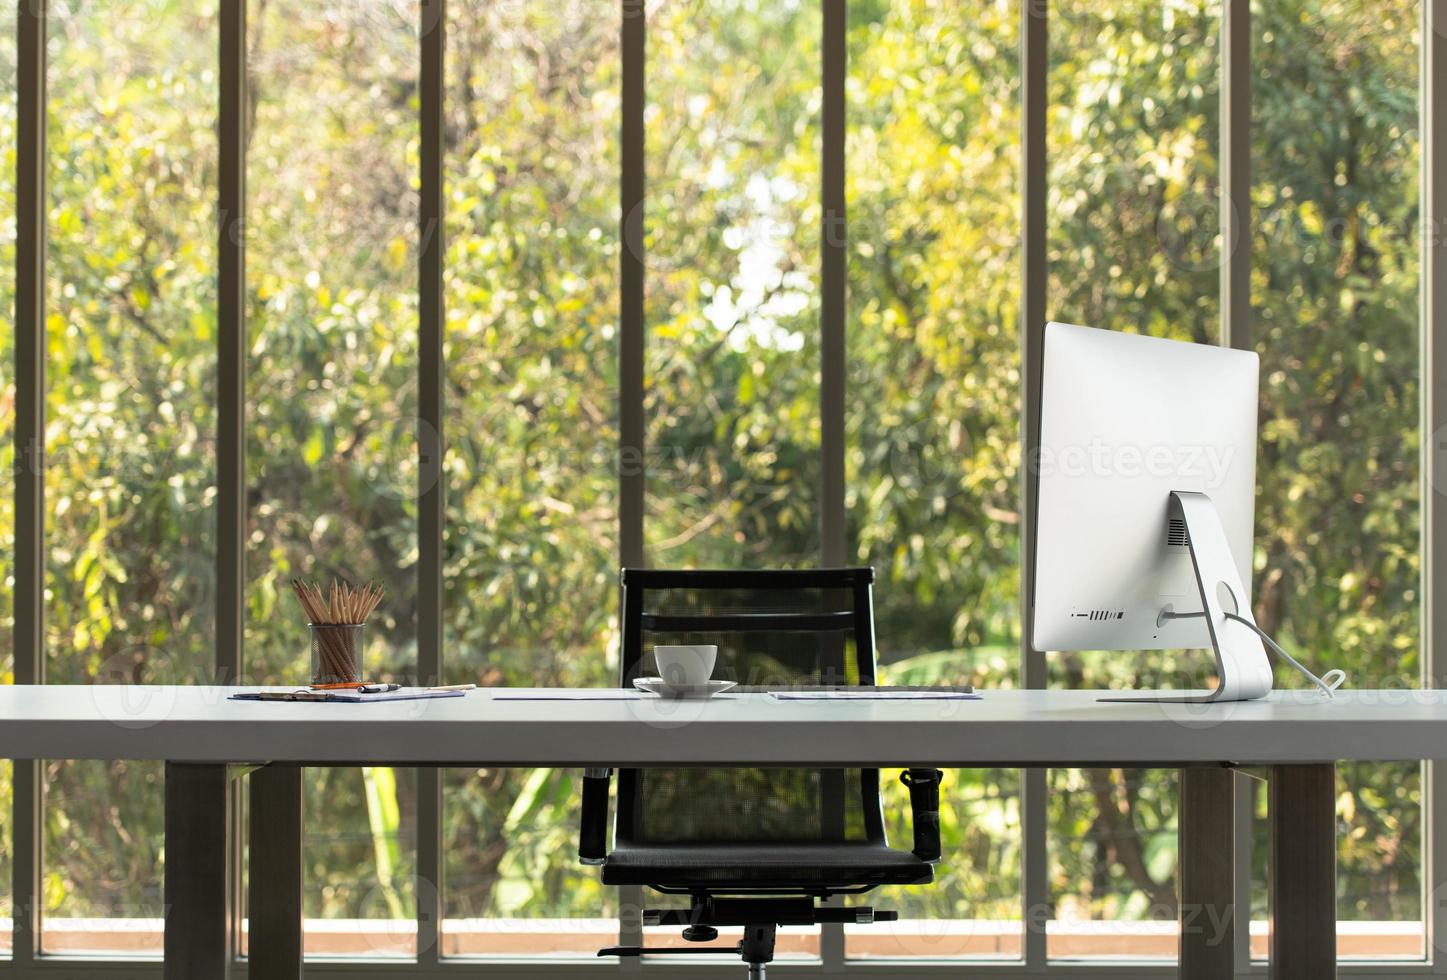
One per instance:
[(346, 697), (875, 695), (594, 695)]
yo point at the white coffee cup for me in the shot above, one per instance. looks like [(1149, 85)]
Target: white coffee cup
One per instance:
[(686, 665)]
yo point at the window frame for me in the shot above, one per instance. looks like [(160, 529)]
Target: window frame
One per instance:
[(229, 665)]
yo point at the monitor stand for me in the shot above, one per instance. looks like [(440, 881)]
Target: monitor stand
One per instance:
[(1241, 661)]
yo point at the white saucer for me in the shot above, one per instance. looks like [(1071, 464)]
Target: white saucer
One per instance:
[(656, 685)]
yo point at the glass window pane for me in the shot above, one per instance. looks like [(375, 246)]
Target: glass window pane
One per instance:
[(532, 434), (532, 306), (973, 907), (1336, 165), (1134, 238), (332, 248), (513, 884), (1379, 832), (131, 309), (933, 403), (372, 913), (732, 231), (104, 852), (1133, 245), (332, 306), (732, 239), (360, 850), (1113, 863)]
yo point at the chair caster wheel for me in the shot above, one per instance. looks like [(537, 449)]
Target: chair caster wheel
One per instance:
[(700, 934)]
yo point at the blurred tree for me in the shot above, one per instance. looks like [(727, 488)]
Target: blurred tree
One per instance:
[(732, 225)]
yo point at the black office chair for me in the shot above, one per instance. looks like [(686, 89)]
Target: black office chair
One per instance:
[(757, 848)]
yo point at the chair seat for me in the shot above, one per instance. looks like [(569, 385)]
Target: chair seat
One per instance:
[(768, 865)]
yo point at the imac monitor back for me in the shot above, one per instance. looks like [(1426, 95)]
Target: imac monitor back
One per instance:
[(1126, 420)]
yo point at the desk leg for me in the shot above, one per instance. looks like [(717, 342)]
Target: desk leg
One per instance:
[(198, 872), (1303, 872), (1207, 873), (274, 949)]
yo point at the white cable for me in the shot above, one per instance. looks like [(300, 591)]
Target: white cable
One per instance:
[(1326, 684)]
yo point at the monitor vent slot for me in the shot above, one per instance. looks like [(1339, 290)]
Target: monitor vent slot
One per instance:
[(1176, 536)]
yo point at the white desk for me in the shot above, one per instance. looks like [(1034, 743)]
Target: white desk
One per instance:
[(199, 734), (1018, 728)]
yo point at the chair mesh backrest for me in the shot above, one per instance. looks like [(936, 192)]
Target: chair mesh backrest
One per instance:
[(775, 629)]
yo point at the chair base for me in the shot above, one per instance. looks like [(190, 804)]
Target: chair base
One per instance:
[(756, 949), (760, 917)]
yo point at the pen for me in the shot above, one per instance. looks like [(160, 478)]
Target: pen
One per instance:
[(378, 688)]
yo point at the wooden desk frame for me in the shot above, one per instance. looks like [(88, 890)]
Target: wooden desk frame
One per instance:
[(199, 888)]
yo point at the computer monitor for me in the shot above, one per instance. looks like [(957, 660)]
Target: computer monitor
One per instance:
[(1147, 470)]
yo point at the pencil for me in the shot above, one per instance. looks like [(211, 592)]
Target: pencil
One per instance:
[(341, 605)]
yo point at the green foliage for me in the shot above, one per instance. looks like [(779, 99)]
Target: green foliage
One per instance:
[(731, 234), (934, 460), (731, 238)]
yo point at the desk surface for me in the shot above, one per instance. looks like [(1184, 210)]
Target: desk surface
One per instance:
[(1007, 728)]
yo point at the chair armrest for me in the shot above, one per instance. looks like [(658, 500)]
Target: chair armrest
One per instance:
[(593, 833), (924, 802)]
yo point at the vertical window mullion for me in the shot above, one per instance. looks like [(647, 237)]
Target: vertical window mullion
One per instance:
[(833, 340), (632, 187), (1236, 331), (431, 511), (1236, 175), (431, 484), (1433, 326), (1034, 72), (30, 200), (1243, 819), (231, 341), (833, 284), (231, 139), (1034, 75)]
